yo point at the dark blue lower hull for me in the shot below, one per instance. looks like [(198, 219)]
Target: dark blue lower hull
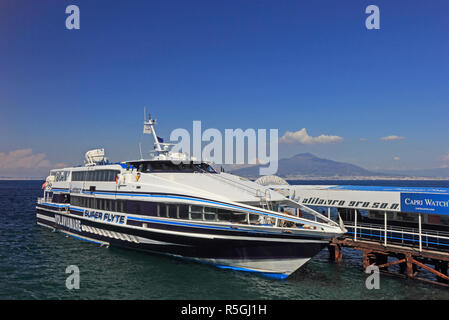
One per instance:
[(277, 255)]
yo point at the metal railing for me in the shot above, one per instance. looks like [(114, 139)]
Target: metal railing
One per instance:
[(398, 235)]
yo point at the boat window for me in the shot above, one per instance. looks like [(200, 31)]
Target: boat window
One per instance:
[(183, 211), (120, 206), (287, 224), (75, 201), (196, 212), (223, 215), (207, 168), (128, 206), (210, 214), (148, 208), (172, 211), (107, 204), (77, 176), (169, 166), (95, 175), (161, 210), (142, 167), (91, 203), (60, 198), (113, 175), (61, 175), (137, 207), (161, 166), (100, 204), (253, 218), (239, 217)]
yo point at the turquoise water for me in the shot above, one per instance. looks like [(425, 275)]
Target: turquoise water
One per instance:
[(33, 260)]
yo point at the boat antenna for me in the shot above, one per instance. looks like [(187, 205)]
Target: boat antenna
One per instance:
[(148, 128), (140, 149)]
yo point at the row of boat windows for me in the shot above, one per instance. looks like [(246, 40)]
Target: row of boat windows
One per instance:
[(60, 175), (174, 211), (97, 175), (59, 198), (169, 166), (148, 166)]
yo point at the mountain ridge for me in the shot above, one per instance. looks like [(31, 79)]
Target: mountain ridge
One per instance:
[(307, 164)]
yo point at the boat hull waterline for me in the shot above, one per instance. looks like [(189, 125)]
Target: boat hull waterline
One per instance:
[(271, 254)]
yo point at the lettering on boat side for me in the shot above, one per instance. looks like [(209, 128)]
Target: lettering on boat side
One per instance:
[(105, 217), (73, 224)]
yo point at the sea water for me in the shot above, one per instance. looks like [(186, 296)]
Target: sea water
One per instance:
[(33, 263)]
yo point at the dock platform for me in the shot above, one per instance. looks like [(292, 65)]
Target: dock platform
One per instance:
[(404, 231), (410, 260)]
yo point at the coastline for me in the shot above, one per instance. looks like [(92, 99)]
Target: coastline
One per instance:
[(373, 178), (360, 178)]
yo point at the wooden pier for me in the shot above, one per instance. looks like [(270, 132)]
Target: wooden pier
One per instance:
[(411, 260), (404, 231)]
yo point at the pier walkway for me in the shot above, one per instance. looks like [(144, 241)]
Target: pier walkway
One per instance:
[(404, 231)]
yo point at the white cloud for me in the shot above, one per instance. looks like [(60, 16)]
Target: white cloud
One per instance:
[(362, 139), (445, 157), (303, 137), (23, 158), (390, 138), (61, 165)]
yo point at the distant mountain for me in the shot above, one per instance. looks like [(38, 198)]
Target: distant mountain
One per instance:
[(307, 164)]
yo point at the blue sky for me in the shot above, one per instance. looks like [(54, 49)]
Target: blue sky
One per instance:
[(231, 64)]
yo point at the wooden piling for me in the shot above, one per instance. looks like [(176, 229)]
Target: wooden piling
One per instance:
[(409, 260), (335, 253)]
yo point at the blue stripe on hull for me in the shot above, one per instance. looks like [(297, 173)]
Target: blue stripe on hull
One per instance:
[(82, 238), (266, 274)]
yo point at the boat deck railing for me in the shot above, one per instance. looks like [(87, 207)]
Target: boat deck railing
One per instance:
[(250, 190), (430, 239)]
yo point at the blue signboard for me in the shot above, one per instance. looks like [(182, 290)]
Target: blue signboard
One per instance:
[(425, 203)]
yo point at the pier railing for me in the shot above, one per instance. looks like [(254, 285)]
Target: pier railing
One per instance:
[(399, 235)]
